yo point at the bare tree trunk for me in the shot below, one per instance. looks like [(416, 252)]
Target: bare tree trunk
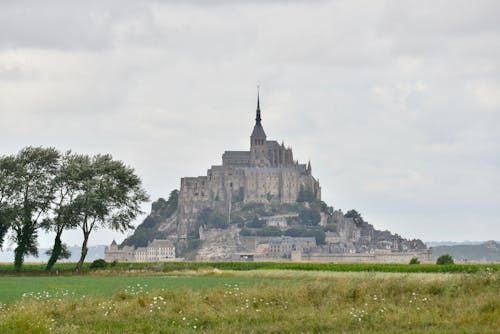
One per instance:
[(56, 250), (19, 253), (79, 265)]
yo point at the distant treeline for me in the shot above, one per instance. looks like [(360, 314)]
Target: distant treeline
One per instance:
[(62, 268)]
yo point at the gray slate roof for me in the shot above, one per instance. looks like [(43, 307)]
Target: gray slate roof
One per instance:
[(242, 154), (258, 131)]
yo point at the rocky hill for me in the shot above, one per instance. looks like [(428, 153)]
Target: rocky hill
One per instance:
[(159, 224), (486, 252), (262, 203), (252, 227)]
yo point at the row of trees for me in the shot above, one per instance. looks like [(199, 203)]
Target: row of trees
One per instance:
[(44, 189)]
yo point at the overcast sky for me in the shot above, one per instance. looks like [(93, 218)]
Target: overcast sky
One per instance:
[(396, 103)]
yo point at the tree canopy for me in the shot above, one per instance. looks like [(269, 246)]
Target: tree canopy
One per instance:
[(42, 188)]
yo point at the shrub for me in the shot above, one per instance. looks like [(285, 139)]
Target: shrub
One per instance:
[(295, 232), (252, 206), (193, 244), (256, 223), (212, 219), (414, 260), (238, 220), (269, 231), (318, 234), (358, 219), (445, 259), (246, 232), (330, 228), (309, 217), (305, 196), (114, 263), (99, 263)]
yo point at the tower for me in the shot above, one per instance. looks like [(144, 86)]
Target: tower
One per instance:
[(258, 138)]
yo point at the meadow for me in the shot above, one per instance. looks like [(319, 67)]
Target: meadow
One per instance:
[(211, 300), (68, 268)]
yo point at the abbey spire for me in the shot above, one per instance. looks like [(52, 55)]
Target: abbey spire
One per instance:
[(258, 119), (258, 136)]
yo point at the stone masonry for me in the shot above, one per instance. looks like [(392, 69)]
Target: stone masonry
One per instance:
[(267, 173)]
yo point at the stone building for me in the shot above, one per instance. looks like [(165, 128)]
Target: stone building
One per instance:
[(283, 247), (279, 221), (113, 253), (156, 251), (267, 173), (160, 250)]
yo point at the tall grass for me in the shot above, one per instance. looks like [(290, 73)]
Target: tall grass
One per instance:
[(321, 303)]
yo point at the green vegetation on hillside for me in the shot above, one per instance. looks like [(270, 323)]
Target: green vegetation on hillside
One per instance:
[(161, 210), (212, 219)]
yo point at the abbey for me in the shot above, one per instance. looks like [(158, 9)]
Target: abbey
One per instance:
[(267, 173), (261, 204)]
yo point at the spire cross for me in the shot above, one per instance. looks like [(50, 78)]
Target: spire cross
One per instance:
[(258, 119)]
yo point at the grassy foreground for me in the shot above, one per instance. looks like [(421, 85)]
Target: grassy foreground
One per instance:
[(276, 302), (14, 288)]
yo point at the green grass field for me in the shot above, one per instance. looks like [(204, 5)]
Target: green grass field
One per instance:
[(251, 297), (251, 301), (13, 288)]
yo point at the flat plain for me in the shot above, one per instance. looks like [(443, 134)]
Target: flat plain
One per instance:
[(211, 300)]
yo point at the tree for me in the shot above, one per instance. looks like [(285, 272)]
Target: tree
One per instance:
[(64, 252), (317, 233), (355, 215), (309, 217), (8, 186), (269, 231), (256, 223), (445, 259), (295, 232), (305, 195), (35, 169), (67, 186), (212, 219), (246, 232), (111, 197), (414, 260)]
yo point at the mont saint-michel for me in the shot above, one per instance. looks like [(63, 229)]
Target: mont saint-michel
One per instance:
[(260, 204)]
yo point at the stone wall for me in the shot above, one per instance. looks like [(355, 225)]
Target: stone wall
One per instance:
[(375, 257), (224, 185)]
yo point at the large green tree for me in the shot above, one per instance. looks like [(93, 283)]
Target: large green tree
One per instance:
[(111, 197), (73, 170), (8, 186), (33, 193)]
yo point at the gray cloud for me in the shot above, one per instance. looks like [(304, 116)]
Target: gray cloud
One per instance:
[(397, 105), (69, 25)]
